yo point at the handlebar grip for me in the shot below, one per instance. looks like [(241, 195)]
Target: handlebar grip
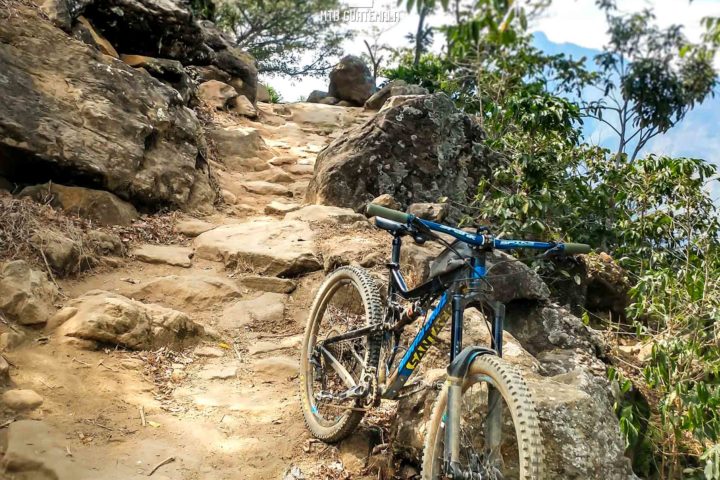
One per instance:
[(576, 248), (394, 215)]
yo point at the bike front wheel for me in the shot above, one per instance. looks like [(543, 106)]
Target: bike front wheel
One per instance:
[(500, 436), (334, 374)]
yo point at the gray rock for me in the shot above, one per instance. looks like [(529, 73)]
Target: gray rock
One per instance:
[(164, 254), (378, 98), (4, 369), (62, 253), (513, 280), (268, 308), (263, 94), (266, 247), (316, 95), (20, 400), (105, 243), (101, 317), (269, 284), (244, 107), (351, 80), (325, 214), (393, 89), (193, 227), (157, 28), (96, 128), (386, 200), (63, 12), (170, 72), (541, 328), (328, 101), (206, 73), (85, 32), (100, 206), (419, 151), (217, 95), (437, 212), (190, 292), (26, 295), (581, 435), (280, 208), (11, 340)]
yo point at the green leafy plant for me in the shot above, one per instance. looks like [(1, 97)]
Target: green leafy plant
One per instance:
[(275, 96)]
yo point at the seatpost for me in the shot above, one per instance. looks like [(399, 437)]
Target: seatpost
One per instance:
[(396, 244)]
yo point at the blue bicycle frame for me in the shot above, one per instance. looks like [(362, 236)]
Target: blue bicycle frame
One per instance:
[(451, 302), (452, 295)]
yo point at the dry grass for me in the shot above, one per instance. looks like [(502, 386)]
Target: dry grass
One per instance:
[(22, 219)]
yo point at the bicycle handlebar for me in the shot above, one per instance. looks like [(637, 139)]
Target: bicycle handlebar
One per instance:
[(576, 248), (394, 215), (406, 218)]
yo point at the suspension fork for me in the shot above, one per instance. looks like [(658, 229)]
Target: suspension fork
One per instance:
[(455, 384), (459, 366)]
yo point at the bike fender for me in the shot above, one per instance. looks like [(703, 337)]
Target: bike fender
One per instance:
[(460, 366)]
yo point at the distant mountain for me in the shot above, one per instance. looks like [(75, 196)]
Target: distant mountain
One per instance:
[(697, 135)]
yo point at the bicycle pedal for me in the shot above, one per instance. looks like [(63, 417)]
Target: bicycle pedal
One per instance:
[(412, 389), (355, 392)]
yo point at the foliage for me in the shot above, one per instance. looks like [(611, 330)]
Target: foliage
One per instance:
[(431, 72), (286, 37), (654, 213), (650, 78), (204, 9), (275, 96)]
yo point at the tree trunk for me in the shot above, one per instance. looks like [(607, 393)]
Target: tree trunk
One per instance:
[(419, 35)]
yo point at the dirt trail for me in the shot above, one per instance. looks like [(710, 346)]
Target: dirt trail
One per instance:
[(227, 409)]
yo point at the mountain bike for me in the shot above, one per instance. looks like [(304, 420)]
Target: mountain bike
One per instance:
[(484, 424)]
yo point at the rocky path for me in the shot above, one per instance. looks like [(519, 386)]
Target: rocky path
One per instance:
[(226, 408)]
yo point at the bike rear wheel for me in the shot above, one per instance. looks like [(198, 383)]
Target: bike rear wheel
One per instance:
[(518, 455), (347, 300)]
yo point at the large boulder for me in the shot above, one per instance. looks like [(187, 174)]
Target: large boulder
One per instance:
[(63, 12), (316, 95), (97, 205), (351, 80), (26, 295), (187, 292), (84, 31), (595, 283), (70, 113), (393, 89), (560, 359), (170, 72), (217, 95), (267, 247), (418, 151), (99, 317), (155, 28)]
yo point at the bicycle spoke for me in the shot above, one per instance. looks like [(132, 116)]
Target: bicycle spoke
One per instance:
[(338, 367)]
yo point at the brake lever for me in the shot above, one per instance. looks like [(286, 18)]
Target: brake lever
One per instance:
[(551, 252)]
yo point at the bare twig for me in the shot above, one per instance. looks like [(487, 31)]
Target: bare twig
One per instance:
[(142, 416), (7, 424), (164, 462), (237, 352), (7, 322), (80, 362)]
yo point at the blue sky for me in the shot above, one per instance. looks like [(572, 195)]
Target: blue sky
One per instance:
[(695, 136), (577, 28)]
